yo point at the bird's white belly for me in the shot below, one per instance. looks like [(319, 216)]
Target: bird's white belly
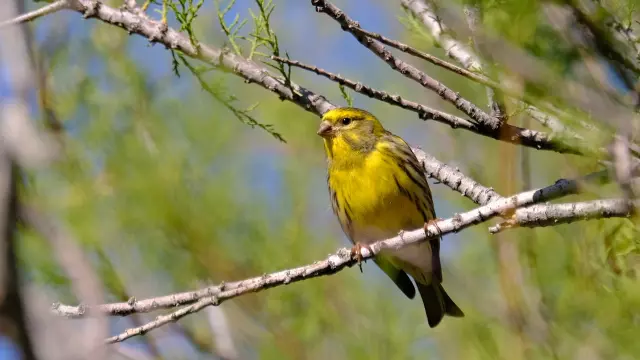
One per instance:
[(416, 255)]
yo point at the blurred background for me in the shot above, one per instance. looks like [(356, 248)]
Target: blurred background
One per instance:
[(166, 191)]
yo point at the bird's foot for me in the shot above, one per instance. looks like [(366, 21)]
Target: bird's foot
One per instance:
[(433, 222), (356, 252)]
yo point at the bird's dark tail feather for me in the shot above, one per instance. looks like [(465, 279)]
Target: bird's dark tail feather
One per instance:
[(437, 303)]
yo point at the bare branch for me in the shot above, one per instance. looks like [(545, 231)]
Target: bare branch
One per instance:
[(157, 32), (454, 179), (495, 96), (30, 148), (138, 23), (507, 133), (131, 5), (164, 319), (334, 263), (605, 44), (540, 215), (200, 299), (481, 79), (45, 10), (424, 112), (475, 113), (452, 47), (551, 122)]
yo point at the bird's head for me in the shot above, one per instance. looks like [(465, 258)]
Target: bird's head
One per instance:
[(353, 127)]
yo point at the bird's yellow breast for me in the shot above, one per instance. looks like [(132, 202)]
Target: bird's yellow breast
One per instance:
[(375, 197)]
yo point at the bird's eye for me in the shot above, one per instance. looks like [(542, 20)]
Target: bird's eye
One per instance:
[(346, 121)]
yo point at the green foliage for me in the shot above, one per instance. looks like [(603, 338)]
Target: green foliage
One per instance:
[(231, 30), (265, 37), (186, 12), (218, 92), (345, 95)]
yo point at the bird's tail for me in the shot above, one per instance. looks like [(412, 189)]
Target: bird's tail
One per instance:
[(437, 303)]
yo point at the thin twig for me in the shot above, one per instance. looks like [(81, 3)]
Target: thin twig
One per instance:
[(423, 111), (481, 79), (163, 319), (467, 107), (451, 46), (495, 96), (551, 122), (540, 215), (35, 14)]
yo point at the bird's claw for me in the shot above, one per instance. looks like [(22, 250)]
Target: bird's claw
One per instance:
[(356, 252), (433, 222)]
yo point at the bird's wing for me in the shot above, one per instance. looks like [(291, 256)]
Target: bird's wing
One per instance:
[(342, 213), (415, 171), (397, 275)]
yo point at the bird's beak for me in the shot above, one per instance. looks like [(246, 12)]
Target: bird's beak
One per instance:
[(325, 129)]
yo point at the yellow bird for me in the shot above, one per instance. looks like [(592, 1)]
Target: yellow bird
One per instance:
[(378, 189)]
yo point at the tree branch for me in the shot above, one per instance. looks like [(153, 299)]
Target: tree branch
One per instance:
[(215, 295), (459, 52), (508, 133), (481, 79), (348, 24), (334, 263), (157, 32), (540, 215), (163, 319), (451, 46), (454, 179), (45, 10), (495, 96), (424, 112)]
